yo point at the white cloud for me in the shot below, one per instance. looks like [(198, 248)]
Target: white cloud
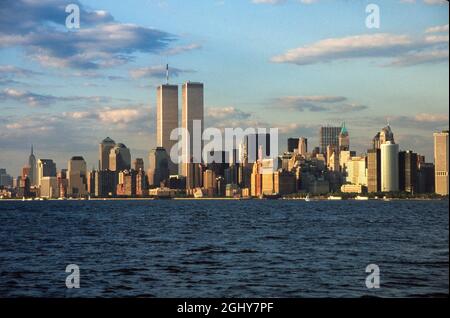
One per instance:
[(437, 29), (381, 45)]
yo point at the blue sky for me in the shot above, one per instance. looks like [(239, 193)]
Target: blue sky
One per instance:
[(289, 64)]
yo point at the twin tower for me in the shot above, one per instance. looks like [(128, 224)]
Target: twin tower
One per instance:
[(167, 118)]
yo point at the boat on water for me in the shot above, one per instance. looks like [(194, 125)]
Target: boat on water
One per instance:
[(334, 198), (361, 198), (275, 196)]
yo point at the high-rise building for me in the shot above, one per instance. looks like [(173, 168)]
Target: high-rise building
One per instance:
[(407, 165), (5, 179), (167, 119), (209, 182), (48, 188), (389, 167), (374, 170), (382, 137), (77, 177), (293, 143), (344, 139), (329, 136), (303, 146), (105, 183), (104, 150), (138, 164), (425, 178), (158, 167), (119, 158), (33, 168), (192, 110), (356, 171), (257, 146), (441, 158), (46, 168)]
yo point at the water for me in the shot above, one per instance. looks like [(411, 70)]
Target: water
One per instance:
[(224, 248)]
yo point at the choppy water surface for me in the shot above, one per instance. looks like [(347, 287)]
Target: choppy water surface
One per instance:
[(224, 248)]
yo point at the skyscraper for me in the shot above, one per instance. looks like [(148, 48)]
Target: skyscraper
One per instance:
[(293, 144), (407, 164), (138, 164), (329, 136), (45, 168), (441, 162), (167, 119), (303, 146), (192, 109), (344, 139), (158, 167), (77, 177), (119, 158), (382, 137), (389, 167), (374, 170), (104, 150), (33, 168)]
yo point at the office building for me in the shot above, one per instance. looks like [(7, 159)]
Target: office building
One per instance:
[(48, 188), (374, 170), (77, 177), (138, 164), (303, 146), (441, 153), (407, 166), (344, 139), (293, 144), (119, 158), (383, 137), (329, 136), (426, 178), (33, 168), (46, 168), (389, 167), (104, 151), (167, 119), (356, 171), (158, 171), (192, 110)]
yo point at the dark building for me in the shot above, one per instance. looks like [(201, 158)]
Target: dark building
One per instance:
[(177, 182), (425, 178), (329, 136), (293, 144), (255, 142), (407, 162), (374, 170), (105, 183)]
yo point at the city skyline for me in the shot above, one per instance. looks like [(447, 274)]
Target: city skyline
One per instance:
[(111, 92)]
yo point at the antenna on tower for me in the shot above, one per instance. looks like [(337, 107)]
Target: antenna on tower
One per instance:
[(167, 74)]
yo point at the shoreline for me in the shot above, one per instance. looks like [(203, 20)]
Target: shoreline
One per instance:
[(224, 199)]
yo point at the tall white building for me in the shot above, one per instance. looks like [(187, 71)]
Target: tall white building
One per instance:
[(389, 167), (167, 119)]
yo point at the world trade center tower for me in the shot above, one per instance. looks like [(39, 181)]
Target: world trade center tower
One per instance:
[(192, 110), (167, 120)]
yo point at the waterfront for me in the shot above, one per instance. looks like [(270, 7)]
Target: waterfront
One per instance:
[(189, 248)]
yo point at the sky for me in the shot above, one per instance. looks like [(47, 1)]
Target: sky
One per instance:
[(294, 65)]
